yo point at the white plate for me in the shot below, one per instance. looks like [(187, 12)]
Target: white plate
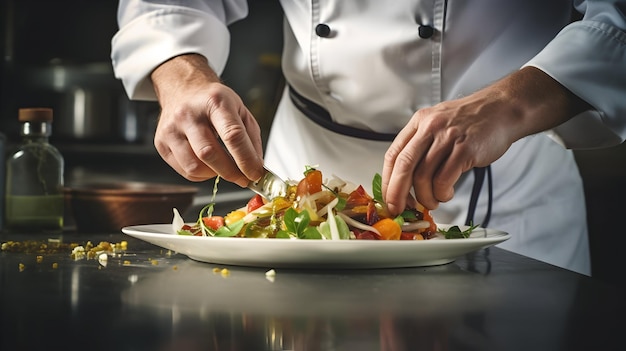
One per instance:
[(316, 253)]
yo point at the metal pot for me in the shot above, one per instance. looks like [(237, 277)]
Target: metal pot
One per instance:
[(89, 96)]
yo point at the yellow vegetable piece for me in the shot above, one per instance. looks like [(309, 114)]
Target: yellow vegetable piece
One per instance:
[(388, 229), (234, 216)]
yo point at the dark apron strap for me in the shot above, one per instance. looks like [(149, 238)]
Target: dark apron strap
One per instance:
[(479, 178), (321, 117)]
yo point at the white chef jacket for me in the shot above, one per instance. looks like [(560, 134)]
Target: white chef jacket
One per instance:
[(373, 71)]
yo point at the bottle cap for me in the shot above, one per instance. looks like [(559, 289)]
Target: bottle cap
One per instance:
[(37, 114)]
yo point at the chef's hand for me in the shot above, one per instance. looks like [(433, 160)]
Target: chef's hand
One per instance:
[(204, 129), (443, 141)]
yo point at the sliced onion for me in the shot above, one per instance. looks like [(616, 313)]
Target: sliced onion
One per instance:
[(177, 222), (334, 231), (328, 208), (336, 183), (411, 226), (263, 211), (357, 224)]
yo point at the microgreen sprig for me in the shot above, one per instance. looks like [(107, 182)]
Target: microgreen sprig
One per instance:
[(455, 232)]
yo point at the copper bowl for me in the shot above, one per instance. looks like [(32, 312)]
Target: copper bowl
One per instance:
[(106, 207)]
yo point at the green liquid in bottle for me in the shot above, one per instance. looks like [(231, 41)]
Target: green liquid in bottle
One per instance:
[(42, 212)]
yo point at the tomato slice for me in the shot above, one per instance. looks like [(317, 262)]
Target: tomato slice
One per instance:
[(310, 184), (411, 236), (358, 197), (367, 235), (255, 202), (213, 222), (372, 215)]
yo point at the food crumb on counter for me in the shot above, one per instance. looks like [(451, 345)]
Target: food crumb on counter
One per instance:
[(175, 268), (225, 272), (154, 262), (21, 267), (123, 245), (270, 275), (78, 253), (41, 247), (126, 263), (216, 270), (103, 259)]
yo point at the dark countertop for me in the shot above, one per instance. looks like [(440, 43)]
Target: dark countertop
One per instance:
[(159, 300)]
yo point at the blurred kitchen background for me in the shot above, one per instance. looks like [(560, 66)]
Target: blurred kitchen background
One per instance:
[(56, 54)]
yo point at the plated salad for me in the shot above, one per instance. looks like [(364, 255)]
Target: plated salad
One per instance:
[(314, 208)]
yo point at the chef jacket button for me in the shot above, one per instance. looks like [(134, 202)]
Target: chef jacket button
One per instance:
[(425, 31), (322, 30)]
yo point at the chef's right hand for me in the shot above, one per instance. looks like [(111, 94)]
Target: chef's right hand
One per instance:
[(204, 129)]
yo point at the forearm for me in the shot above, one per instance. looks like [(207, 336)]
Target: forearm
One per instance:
[(181, 73), (537, 102)]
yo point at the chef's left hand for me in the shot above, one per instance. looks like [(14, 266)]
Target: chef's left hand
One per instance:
[(443, 141)]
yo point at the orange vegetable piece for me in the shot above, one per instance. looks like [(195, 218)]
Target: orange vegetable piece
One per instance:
[(310, 184), (428, 217), (388, 229), (233, 217)]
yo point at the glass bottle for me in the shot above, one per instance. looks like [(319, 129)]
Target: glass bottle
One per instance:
[(34, 177), (3, 141)]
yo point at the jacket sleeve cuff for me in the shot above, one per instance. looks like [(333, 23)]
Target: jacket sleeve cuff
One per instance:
[(151, 39), (589, 58)]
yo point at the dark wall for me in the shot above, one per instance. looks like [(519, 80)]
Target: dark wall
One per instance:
[(39, 36)]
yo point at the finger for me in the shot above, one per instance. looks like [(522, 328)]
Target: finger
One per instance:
[(406, 161), (254, 132), (394, 149), (191, 151), (208, 150), (449, 173), (425, 178), (238, 140), (392, 201), (196, 177), (183, 160)]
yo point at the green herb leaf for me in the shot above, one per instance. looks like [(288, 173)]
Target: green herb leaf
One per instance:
[(289, 219), (183, 232), (377, 188), (283, 234), (308, 169), (455, 232), (256, 230), (311, 233), (341, 202), (408, 215), (230, 230), (297, 225), (301, 222), (206, 231), (399, 220)]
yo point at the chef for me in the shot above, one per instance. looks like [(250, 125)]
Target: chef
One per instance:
[(471, 107)]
